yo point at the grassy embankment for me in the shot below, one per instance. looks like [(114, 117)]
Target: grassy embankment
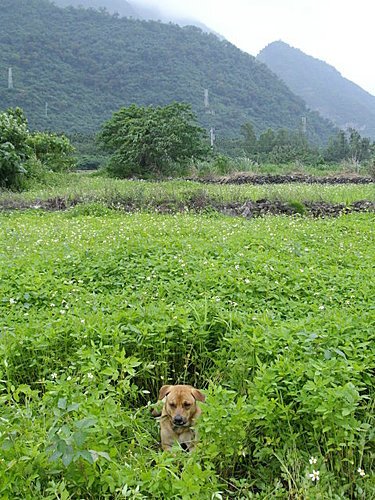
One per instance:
[(86, 188)]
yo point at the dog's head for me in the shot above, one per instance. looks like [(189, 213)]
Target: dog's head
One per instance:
[(180, 403)]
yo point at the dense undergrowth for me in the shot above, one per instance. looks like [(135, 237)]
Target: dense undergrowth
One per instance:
[(273, 318)]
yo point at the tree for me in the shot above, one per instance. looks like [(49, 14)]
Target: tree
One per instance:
[(352, 147), (52, 150), (14, 150), (266, 141), (25, 155), (249, 139), (152, 140), (359, 147), (338, 147)]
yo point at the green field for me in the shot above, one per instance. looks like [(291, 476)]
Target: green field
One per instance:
[(273, 318)]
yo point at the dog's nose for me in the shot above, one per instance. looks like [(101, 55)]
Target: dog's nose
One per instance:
[(178, 420)]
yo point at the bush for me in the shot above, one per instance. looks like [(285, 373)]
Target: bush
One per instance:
[(52, 150), (14, 149), (26, 156)]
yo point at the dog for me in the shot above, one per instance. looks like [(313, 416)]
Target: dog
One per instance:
[(178, 416)]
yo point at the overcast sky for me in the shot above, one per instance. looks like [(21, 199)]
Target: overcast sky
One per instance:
[(340, 32)]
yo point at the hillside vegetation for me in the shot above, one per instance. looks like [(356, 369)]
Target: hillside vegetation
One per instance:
[(135, 10), (86, 64), (322, 87)]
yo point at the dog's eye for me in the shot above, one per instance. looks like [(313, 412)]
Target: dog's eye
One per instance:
[(187, 405), (172, 405)]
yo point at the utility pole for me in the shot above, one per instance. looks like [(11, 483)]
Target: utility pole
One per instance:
[(206, 102), (10, 79), (212, 137), (46, 110), (304, 125)]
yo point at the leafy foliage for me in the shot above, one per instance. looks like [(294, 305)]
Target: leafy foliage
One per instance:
[(151, 140), (86, 65), (24, 155), (52, 150), (14, 149), (283, 146), (278, 147)]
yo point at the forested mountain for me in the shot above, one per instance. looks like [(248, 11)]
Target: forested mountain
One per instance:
[(122, 7), (72, 68), (322, 87), (132, 9)]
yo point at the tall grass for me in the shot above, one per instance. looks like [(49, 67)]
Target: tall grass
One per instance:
[(87, 188)]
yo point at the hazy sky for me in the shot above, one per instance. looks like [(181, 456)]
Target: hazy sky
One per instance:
[(340, 32)]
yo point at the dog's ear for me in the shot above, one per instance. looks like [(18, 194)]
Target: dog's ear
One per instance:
[(164, 391), (198, 395)]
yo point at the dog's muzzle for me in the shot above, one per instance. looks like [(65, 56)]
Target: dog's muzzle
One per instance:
[(178, 421)]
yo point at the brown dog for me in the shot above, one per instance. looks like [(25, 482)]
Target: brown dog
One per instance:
[(179, 414)]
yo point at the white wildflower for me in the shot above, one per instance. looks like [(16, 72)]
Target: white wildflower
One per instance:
[(314, 475)]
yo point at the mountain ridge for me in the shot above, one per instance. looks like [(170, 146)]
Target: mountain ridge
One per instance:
[(322, 87), (133, 9)]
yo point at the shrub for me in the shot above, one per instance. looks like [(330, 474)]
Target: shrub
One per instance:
[(26, 156), (52, 150), (14, 150)]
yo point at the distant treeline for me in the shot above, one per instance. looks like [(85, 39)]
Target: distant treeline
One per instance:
[(285, 146)]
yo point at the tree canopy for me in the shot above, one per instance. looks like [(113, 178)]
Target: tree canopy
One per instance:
[(152, 140), (24, 155)]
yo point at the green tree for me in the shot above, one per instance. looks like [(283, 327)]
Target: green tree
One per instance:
[(52, 150), (359, 147), (24, 156), (152, 140), (267, 141), (14, 150), (338, 147), (350, 146), (249, 139)]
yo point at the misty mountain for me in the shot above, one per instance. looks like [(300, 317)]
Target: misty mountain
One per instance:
[(133, 9), (72, 68), (322, 87)]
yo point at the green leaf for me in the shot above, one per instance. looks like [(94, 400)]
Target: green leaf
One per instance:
[(62, 403), (68, 456), (87, 456), (86, 423)]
